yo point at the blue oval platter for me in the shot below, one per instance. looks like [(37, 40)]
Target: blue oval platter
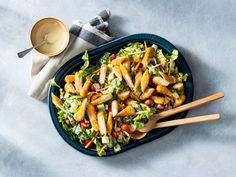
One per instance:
[(113, 46)]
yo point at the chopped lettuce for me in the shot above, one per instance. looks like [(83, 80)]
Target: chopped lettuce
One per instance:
[(122, 86), (135, 46), (114, 85), (122, 53), (154, 71), (99, 146), (87, 71), (53, 83), (84, 70), (175, 95), (174, 55), (105, 58), (85, 57), (133, 71), (127, 119), (182, 77), (164, 58), (144, 113), (161, 58), (131, 48), (83, 134), (117, 148), (155, 47), (62, 116), (138, 124), (111, 142)]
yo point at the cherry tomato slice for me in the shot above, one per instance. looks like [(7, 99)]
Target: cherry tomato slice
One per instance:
[(93, 88), (114, 134), (112, 57), (109, 109), (84, 125), (93, 97), (125, 128)]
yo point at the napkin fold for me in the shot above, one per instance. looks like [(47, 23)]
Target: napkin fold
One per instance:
[(82, 37)]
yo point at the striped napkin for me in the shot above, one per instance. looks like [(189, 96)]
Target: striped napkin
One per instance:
[(82, 37)]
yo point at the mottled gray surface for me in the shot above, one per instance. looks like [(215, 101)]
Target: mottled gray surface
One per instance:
[(204, 31)]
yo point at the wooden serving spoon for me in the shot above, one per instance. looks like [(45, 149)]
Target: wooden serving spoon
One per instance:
[(156, 117), (184, 121)]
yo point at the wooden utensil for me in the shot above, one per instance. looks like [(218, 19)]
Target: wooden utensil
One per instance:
[(184, 121), (156, 117)]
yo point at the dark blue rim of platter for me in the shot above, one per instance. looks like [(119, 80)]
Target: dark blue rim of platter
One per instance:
[(94, 54)]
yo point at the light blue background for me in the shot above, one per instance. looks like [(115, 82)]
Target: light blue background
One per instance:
[(203, 30)]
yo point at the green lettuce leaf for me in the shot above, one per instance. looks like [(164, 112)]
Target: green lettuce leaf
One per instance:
[(122, 53), (138, 124), (105, 58), (117, 148), (174, 55), (99, 145), (144, 113), (85, 57), (52, 82), (135, 46), (87, 71), (182, 77), (155, 47), (161, 58), (114, 85), (111, 142), (154, 71)]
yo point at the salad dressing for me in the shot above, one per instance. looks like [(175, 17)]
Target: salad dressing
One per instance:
[(53, 32)]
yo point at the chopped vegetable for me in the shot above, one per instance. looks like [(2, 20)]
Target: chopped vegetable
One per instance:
[(114, 85), (85, 57), (105, 58)]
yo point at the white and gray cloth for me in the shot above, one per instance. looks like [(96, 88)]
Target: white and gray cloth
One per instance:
[(82, 37)]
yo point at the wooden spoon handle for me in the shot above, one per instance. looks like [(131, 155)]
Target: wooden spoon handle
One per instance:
[(188, 106), (186, 121), (153, 119)]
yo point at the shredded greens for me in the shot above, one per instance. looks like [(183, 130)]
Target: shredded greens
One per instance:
[(105, 58), (53, 83), (114, 85)]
